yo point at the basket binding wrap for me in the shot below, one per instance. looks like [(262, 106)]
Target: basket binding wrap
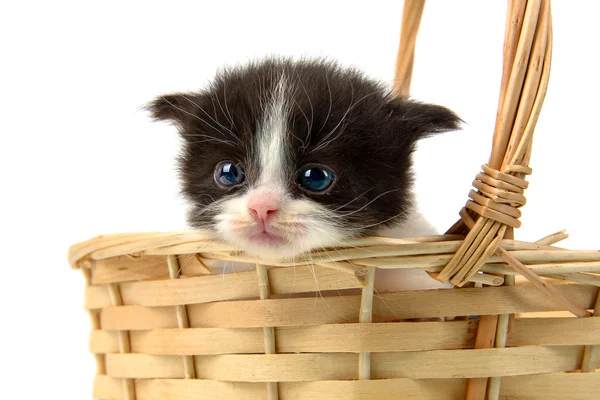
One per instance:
[(165, 327)]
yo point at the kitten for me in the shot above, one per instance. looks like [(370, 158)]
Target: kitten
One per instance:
[(282, 157)]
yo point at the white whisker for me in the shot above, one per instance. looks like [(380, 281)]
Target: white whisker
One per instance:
[(380, 222), (330, 102), (192, 114), (213, 119), (353, 200), (324, 142), (369, 203)]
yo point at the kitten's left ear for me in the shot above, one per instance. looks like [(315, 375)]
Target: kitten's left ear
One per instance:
[(177, 107), (421, 120)]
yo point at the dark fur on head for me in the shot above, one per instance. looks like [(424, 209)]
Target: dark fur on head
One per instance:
[(334, 117)]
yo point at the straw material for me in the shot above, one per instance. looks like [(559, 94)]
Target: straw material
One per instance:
[(179, 322), (166, 326)]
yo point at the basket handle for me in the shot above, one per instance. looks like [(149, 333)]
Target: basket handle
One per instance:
[(492, 210), (411, 20)]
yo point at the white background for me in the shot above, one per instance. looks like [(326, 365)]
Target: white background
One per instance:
[(78, 158)]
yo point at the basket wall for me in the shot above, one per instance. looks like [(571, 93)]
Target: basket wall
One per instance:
[(154, 328)]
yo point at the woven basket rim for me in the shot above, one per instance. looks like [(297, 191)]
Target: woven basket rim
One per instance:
[(121, 244), (429, 253)]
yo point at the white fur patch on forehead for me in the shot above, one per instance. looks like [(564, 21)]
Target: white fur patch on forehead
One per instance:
[(271, 138)]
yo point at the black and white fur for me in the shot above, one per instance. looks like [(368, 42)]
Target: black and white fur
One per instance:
[(277, 115)]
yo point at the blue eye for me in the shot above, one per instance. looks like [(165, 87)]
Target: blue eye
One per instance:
[(228, 174), (315, 178)]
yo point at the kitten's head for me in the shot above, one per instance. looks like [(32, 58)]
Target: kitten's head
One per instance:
[(281, 157)]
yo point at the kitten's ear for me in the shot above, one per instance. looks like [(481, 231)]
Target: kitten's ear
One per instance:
[(177, 107), (421, 120)]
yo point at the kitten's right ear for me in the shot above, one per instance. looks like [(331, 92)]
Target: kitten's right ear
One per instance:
[(177, 108), (420, 120)]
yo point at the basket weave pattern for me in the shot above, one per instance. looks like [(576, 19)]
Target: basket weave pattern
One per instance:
[(164, 326)]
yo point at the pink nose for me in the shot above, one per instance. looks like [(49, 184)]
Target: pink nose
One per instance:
[(262, 208)]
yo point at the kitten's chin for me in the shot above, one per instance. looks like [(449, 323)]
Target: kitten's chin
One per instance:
[(273, 247), (267, 240)]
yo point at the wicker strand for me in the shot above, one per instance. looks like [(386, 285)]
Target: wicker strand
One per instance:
[(484, 279), (553, 238), (523, 41), (527, 56), (476, 387), (268, 332), (411, 19), (502, 331), (591, 354), (550, 290), (94, 319), (514, 22), (505, 321), (499, 196), (182, 316), (522, 94), (366, 316), (114, 292)]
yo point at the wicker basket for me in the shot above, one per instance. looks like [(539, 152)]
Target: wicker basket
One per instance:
[(165, 327)]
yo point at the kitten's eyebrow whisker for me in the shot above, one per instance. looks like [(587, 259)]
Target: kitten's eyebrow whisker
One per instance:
[(191, 114), (304, 143), (216, 97), (208, 115), (320, 145), (204, 121), (312, 112), (226, 108), (324, 141), (214, 120), (211, 139), (330, 102)]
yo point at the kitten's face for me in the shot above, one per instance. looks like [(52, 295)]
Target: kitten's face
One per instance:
[(283, 157)]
